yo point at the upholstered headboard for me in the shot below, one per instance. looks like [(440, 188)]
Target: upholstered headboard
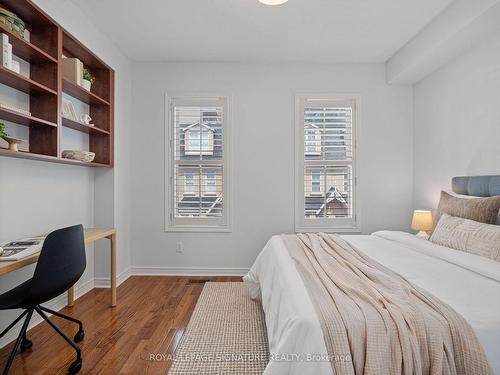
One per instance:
[(479, 186)]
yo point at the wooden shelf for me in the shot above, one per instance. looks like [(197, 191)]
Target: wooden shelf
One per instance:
[(69, 123), (22, 119), (25, 50), (52, 159), (82, 163), (49, 42), (22, 83), (29, 12), (27, 155), (81, 94), (75, 48)]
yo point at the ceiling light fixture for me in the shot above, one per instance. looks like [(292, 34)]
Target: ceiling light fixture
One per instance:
[(273, 2)]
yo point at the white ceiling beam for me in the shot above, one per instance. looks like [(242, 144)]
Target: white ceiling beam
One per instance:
[(462, 25)]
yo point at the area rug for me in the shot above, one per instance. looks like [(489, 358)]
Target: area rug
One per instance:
[(226, 334)]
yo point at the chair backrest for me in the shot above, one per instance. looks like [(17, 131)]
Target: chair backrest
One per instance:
[(61, 263)]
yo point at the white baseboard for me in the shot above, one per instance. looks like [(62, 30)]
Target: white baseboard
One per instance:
[(188, 271), (56, 304), (104, 282)]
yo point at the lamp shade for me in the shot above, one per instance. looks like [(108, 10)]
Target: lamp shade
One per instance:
[(422, 220)]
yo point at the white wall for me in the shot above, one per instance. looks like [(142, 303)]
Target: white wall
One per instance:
[(457, 122), (37, 197), (263, 172)]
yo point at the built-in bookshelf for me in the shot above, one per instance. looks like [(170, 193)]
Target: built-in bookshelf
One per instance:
[(48, 43)]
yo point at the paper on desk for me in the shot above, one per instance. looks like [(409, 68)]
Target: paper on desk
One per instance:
[(20, 249)]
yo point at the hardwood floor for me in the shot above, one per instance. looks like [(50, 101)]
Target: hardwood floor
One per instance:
[(150, 318)]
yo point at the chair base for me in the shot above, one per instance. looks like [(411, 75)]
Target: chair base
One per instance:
[(24, 344)]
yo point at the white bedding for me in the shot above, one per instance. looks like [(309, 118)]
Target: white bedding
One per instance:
[(468, 283)]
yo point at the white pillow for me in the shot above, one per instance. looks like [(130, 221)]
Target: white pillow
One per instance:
[(470, 197), (468, 236)]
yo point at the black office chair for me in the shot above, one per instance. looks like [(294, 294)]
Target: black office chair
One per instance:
[(60, 265)]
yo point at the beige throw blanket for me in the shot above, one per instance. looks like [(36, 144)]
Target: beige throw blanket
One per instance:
[(379, 319)]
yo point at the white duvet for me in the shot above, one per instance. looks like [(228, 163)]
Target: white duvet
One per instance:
[(468, 283)]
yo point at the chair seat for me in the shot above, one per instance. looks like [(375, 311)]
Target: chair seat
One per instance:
[(14, 298)]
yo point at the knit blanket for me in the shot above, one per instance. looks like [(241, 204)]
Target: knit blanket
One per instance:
[(377, 319)]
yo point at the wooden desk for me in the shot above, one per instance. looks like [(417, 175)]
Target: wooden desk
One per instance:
[(91, 235)]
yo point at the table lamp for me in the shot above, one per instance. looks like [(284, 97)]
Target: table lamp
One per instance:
[(422, 221)]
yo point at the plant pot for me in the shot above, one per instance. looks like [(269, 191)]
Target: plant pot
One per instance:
[(86, 84)]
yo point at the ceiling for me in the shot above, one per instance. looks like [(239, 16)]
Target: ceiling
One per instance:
[(334, 31)]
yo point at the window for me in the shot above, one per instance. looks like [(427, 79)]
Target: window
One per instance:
[(197, 164), (199, 139), (315, 182), (210, 183), (189, 187), (312, 140), (325, 163)]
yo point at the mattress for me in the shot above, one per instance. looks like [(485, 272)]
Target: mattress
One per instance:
[(468, 283)]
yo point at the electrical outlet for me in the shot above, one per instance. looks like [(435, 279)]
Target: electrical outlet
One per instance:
[(178, 247)]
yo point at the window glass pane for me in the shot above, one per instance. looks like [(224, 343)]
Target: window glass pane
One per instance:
[(328, 133), (328, 191), (199, 180), (189, 186), (316, 182), (210, 182), (199, 141), (198, 132)]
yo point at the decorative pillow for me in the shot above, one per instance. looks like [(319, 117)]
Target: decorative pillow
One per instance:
[(483, 210), (453, 194), (469, 236)]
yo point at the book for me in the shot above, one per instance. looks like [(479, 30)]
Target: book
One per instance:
[(17, 250), (9, 55), (72, 69), (6, 53)]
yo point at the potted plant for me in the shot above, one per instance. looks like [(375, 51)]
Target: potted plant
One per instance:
[(3, 133), (88, 79)]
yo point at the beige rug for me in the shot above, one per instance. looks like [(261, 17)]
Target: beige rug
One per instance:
[(226, 334)]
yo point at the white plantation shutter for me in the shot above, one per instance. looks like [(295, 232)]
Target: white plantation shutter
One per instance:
[(325, 163), (197, 186)]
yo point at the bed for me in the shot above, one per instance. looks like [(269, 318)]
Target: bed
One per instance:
[(470, 284)]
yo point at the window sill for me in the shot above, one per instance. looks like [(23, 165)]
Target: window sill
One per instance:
[(198, 153), (198, 229)]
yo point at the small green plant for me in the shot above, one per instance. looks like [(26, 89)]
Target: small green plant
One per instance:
[(3, 133), (88, 76)]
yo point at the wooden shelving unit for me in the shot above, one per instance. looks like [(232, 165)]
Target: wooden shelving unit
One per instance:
[(83, 95), (22, 119), (49, 42), (68, 123)]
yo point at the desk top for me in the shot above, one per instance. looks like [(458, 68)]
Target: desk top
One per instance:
[(90, 235)]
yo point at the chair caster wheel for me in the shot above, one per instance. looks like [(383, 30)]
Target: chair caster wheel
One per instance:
[(75, 367), (25, 345), (79, 336)]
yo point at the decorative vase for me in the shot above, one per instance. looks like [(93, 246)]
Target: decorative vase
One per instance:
[(86, 84), (13, 143)]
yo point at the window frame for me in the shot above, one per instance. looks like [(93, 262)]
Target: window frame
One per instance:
[(185, 224), (338, 225)]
